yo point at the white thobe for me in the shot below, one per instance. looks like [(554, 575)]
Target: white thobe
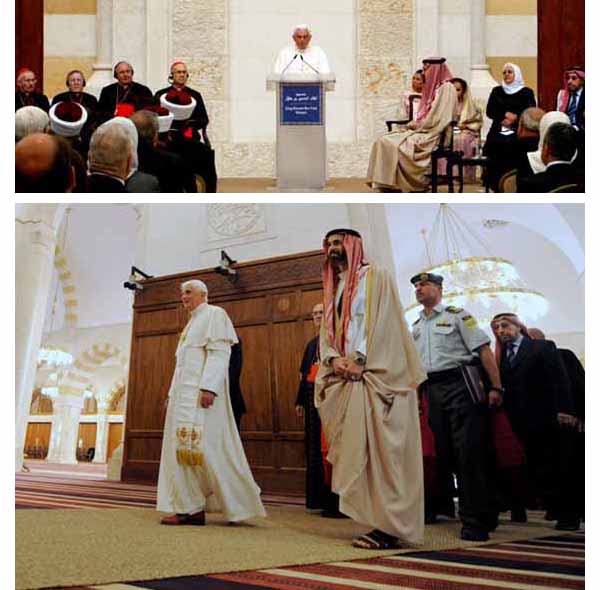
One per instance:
[(356, 339), (312, 55), (223, 481)]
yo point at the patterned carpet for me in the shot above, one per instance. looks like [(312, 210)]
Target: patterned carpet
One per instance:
[(555, 561), (41, 490), (547, 563)]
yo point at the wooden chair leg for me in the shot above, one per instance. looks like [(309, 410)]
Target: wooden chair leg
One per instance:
[(461, 178), (434, 175), (450, 174)]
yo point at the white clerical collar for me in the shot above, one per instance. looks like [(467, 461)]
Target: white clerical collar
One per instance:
[(555, 162)]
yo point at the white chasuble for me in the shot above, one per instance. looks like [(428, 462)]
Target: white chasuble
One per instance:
[(203, 465)]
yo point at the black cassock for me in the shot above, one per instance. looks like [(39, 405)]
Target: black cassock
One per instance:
[(198, 155), (501, 148), (33, 99), (135, 94), (318, 494)]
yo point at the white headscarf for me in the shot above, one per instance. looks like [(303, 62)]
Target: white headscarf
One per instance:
[(517, 83), (131, 130), (535, 158)]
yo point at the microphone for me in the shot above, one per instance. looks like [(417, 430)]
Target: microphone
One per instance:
[(286, 67), (308, 64)]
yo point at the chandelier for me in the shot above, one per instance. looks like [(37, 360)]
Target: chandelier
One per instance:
[(54, 358), (484, 284)]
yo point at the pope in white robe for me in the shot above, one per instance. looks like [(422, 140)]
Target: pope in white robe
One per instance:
[(301, 57), (203, 467)]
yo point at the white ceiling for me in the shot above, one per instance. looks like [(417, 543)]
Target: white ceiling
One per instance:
[(544, 241)]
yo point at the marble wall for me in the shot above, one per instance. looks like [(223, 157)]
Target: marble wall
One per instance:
[(374, 57)]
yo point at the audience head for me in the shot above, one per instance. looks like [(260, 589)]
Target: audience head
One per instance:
[(529, 122), (179, 102), (418, 81), (129, 128), (75, 81), (30, 120), (575, 78), (123, 72), (512, 78), (437, 72), (507, 327), (110, 151), (461, 88), (560, 143), (43, 164), (67, 119), (536, 334), (146, 123), (26, 81), (179, 74), (301, 36)]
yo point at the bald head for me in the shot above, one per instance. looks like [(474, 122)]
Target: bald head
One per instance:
[(43, 164), (529, 123)]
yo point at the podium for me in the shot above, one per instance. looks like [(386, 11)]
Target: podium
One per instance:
[(301, 153)]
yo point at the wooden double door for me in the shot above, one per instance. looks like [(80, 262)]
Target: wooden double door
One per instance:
[(270, 306)]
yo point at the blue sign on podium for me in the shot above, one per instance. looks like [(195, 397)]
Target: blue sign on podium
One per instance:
[(301, 104)]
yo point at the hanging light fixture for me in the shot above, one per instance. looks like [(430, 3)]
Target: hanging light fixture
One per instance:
[(484, 284)]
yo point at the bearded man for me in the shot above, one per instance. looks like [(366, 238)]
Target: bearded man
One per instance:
[(203, 467), (365, 391)]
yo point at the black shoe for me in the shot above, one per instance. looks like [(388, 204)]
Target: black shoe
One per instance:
[(471, 534), (330, 514), (491, 523), (571, 524), (518, 515)]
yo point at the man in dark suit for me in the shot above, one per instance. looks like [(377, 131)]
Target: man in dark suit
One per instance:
[(538, 403), (174, 176), (573, 440), (26, 94), (125, 96), (235, 372), (560, 145), (109, 160)]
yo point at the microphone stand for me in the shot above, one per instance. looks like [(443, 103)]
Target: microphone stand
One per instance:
[(286, 67), (309, 65)]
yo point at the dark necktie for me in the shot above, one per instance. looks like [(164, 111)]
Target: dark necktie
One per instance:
[(510, 353), (572, 108)]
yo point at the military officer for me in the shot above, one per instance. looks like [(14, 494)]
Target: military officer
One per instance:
[(448, 340)]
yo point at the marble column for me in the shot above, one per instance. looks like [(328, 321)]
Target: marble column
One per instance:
[(35, 242), (103, 67), (65, 429), (482, 81), (101, 433)]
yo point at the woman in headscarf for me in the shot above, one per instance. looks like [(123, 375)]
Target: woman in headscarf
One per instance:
[(400, 160), (505, 105), (534, 164), (417, 84), (137, 182), (467, 133)]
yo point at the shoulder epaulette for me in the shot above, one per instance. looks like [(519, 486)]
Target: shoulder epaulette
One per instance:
[(452, 309)]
